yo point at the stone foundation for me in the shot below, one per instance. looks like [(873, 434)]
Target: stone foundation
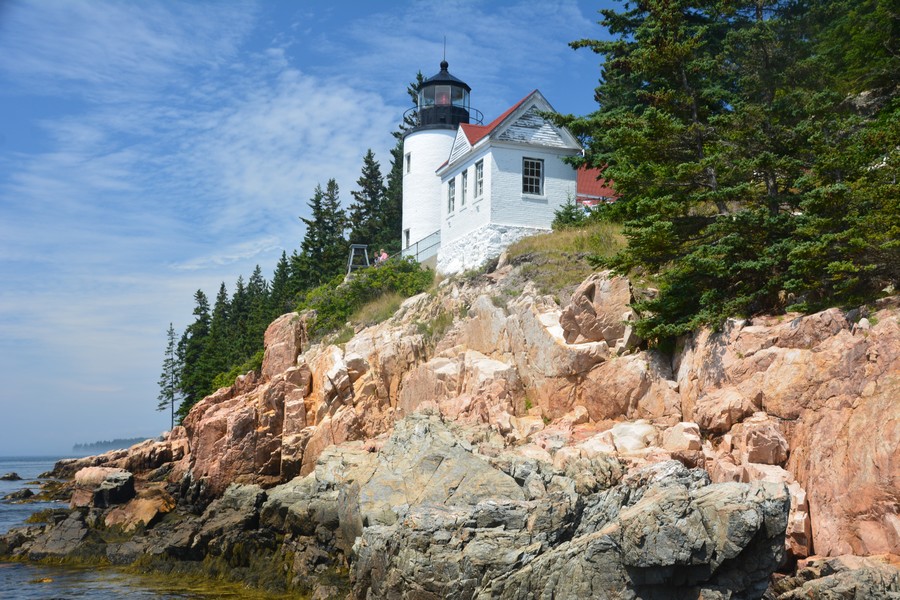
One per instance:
[(474, 249)]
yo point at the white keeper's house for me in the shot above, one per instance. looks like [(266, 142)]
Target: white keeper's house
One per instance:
[(470, 190)]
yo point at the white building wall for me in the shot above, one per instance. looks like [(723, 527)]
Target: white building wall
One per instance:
[(509, 206), (476, 212), (428, 150)]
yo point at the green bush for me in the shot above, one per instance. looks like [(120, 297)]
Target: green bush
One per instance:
[(254, 363), (335, 301)]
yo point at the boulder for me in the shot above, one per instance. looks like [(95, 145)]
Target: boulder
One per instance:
[(284, 340), (141, 511), (759, 440), (598, 310), (102, 487), (682, 437), (848, 576), (11, 476), (18, 495)]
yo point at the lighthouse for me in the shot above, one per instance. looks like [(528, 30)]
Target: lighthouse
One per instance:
[(443, 105)]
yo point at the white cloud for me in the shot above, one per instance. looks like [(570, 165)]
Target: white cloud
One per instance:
[(179, 152)]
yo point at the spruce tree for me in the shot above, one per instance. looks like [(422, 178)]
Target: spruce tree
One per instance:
[(366, 211), (281, 295), (258, 300), (708, 119), (168, 379), (196, 376), (324, 250), (217, 356), (239, 324)]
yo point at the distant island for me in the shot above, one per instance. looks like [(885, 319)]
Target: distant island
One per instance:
[(104, 445)]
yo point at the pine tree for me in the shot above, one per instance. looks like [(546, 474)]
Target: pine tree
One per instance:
[(366, 211), (168, 379), (324, 250), (281, 295), (196, 376), (258, 300), (239, 324), (217, 356)]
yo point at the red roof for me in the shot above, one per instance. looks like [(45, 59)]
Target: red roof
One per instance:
[(590, 187), (475, 133)]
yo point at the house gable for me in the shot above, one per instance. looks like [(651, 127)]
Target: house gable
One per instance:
[(532, 128), (461, 145)]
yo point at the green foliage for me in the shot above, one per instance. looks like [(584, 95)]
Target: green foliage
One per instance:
[(747, 176), (335, 301), (195, 377), (368, 204), (433, 330), (323, 251), (254, 363), (168, 379), (570, 214)]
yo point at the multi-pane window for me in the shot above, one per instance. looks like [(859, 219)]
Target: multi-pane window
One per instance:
[(451, 195), (463, 184), (533, 176), (479, 178)]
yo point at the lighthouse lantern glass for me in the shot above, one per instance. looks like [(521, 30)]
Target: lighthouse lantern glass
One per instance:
[(442, 95)]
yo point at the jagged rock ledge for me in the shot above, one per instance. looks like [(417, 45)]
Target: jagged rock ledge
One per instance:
[(527, 448)]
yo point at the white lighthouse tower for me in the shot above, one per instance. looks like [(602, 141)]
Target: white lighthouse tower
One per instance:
[(443, 104)]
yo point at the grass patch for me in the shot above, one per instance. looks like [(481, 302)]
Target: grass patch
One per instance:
[(557, 262), (597, 239), (433, 330), (378, 310)]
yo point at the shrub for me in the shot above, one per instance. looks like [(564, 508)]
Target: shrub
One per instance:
[(254, 363), (335, 301)]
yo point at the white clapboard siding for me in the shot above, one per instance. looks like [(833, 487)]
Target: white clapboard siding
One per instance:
[(460, 145), (532, 128)]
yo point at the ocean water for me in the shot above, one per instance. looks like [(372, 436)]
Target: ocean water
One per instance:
[(20, 581)]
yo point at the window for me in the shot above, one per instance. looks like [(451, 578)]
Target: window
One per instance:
[(462, 187), (451, 195), (406, 238), (408, 162), (533, 176), (442, 95), (479, 178)]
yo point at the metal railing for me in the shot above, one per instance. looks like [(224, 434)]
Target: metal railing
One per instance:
[(411, 116), (425, 248)]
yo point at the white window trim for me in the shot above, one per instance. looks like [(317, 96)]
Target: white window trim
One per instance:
[(464, 182), (479, 179), (451, 195), (529, 178)]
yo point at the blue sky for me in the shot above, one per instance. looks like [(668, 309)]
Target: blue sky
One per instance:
[(148, 149)]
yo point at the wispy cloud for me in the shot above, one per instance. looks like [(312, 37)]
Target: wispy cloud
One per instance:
[(172, 145)]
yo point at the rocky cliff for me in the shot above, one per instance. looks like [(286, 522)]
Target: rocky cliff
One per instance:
[(488, 442)]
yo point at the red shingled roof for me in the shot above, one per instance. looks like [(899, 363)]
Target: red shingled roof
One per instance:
[(591, 189), (475, 133)]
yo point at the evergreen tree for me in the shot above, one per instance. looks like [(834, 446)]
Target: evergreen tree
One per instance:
[(324, 250), (366, 211), (168, 379), (259, 303), (714, 119), (239, 324), (281, 295), (216, 356), (196, 376)]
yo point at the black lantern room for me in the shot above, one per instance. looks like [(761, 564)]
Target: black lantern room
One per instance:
[(443, 101)]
